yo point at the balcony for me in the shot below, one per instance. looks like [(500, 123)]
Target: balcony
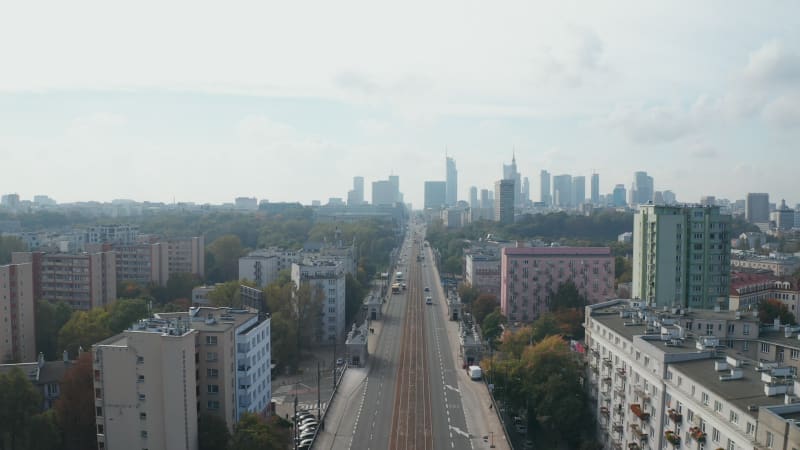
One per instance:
[(672, 438), (606, 380), (621, 373), (698, 435), (617, 427), (675, 417), (637, 411), (604, 411), (607, 362), (619, 392), (634, 446)]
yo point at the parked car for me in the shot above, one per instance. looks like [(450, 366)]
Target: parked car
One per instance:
[(303, 414), (307, 442), (521, 428), (308, 420), (309, 426), (427, 289), (307, 434), (339, 361)]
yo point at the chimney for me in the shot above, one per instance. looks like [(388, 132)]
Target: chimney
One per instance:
[(65, 356)]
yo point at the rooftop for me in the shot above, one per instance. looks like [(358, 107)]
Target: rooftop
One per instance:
[(558, 251)]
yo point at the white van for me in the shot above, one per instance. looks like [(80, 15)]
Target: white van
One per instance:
[(475, 372)]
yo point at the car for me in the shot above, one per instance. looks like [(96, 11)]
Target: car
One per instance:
[(428, 301), (308, 426), (517, 420), (521, 428), (306, 420), (306, 442), (427, 289), (308, 434), (528, 445), (340, 361), (304, 414)]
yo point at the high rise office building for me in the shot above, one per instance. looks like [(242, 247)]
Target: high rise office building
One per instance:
[(757, 207), (435, 194), (394, 180), (504, 201), (578, 191), (562, 190), (356, 195), (383, 193), (473, 197), (681, 256), (510, 172), (452, 181), (526, 191), (669, 197), (595, 189), (544, 188), (619, 195), (642, 190)]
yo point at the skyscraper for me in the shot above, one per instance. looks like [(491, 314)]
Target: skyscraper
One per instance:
[(452, 181), (595, 189), (526, 191), (642, 190), (562, 190), (356, 196), (383, 193), (681, 256), (544, 188), (473, 197), (619, 195), (756, 208), (504, 201), (486, 205), (578, 191), (510, 173), (435, 194), (394, 180)]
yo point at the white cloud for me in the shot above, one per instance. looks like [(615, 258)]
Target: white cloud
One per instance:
[(576, 56), (773, 64), (784, 111)]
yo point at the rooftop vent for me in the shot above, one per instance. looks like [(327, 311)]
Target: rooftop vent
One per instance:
[(736, 374)]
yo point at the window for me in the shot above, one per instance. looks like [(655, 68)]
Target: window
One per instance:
[(144, 434), (211, 340), (746, 328), (98, 393), (212, 373), (795, 354), (731, 445), (213, 389), (100, 429), (140, 360), (142, 397), (213, 404), (750, 428), (96, 375), (717, 406), (98, 411), (715, 435), (140, 379), (142, 416), (746, 345), (764, 347), (734, 417), (211, 356), (770, 439), (704, 397)]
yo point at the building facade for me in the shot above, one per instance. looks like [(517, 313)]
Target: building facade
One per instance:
[(779, 265), (17, 303), (435, 194), (482, 270), (681, 256), (328, 276), (756, 209), (82, 280), (504, 201), (562, 191), (531, 275), (544, 188), (452, 181)]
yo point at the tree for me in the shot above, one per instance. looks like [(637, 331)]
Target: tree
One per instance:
[(179, 286), (354, 294), (213, 432), (492, 325), (225, 252), (546, 325), (483, 306), (256, 433), (9, 245), (75, 407), (514, 343), (50, 317), (83, 329), (123, 313), (44, 433), (468, 294), (19, 402), (131, 289), (227, 294), (567, 296), (770, 309)]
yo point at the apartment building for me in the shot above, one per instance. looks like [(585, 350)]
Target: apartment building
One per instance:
[(327, 275), (748, 289), (155, 260), (685, 379), (140, 263), (116, 233), (144, 387), (153, 380), (779, 265), (183, 255), (82, 280), (681, 256), (17, 325), (482, 271), (531, 275)]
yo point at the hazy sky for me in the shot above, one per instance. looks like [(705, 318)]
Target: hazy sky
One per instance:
[(289, 100)]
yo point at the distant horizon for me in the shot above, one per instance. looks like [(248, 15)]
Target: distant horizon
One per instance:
[(286, 103)]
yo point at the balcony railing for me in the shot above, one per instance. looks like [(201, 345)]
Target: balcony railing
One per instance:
[(638, 412), (698, 435), (675, 417), (672, 438)]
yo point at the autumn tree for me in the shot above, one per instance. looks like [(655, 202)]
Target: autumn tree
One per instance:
[(492, 326), (226, 294), (225, 252), (83, 329), (9, 245), (123, 313), (19, 402), (770, 309), (483, 305), (567, 296), (257, 433), (75, 406), (50, 317)]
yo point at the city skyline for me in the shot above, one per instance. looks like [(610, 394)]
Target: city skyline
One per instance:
[(714, 112)]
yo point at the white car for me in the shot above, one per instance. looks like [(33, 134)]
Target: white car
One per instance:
[(428, 301)]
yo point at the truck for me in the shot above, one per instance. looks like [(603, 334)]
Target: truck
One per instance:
[(475, 372), (396, 288), (399, 276)]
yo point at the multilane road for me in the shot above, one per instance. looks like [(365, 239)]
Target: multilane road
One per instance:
[(410, 398)]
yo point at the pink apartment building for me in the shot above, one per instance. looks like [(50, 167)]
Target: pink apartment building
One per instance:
[(530, 275)]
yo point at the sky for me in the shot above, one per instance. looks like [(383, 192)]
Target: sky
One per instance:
[(287, 101)]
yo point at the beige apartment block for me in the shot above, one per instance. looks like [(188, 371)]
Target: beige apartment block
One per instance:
[(17, 332), (144, 388)]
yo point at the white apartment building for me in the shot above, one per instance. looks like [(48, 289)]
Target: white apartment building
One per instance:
[(153, 380), (329, 276), (17, 306), (260, 267), (682, 379)]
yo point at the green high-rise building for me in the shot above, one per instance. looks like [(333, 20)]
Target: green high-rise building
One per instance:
[(681, 256)]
